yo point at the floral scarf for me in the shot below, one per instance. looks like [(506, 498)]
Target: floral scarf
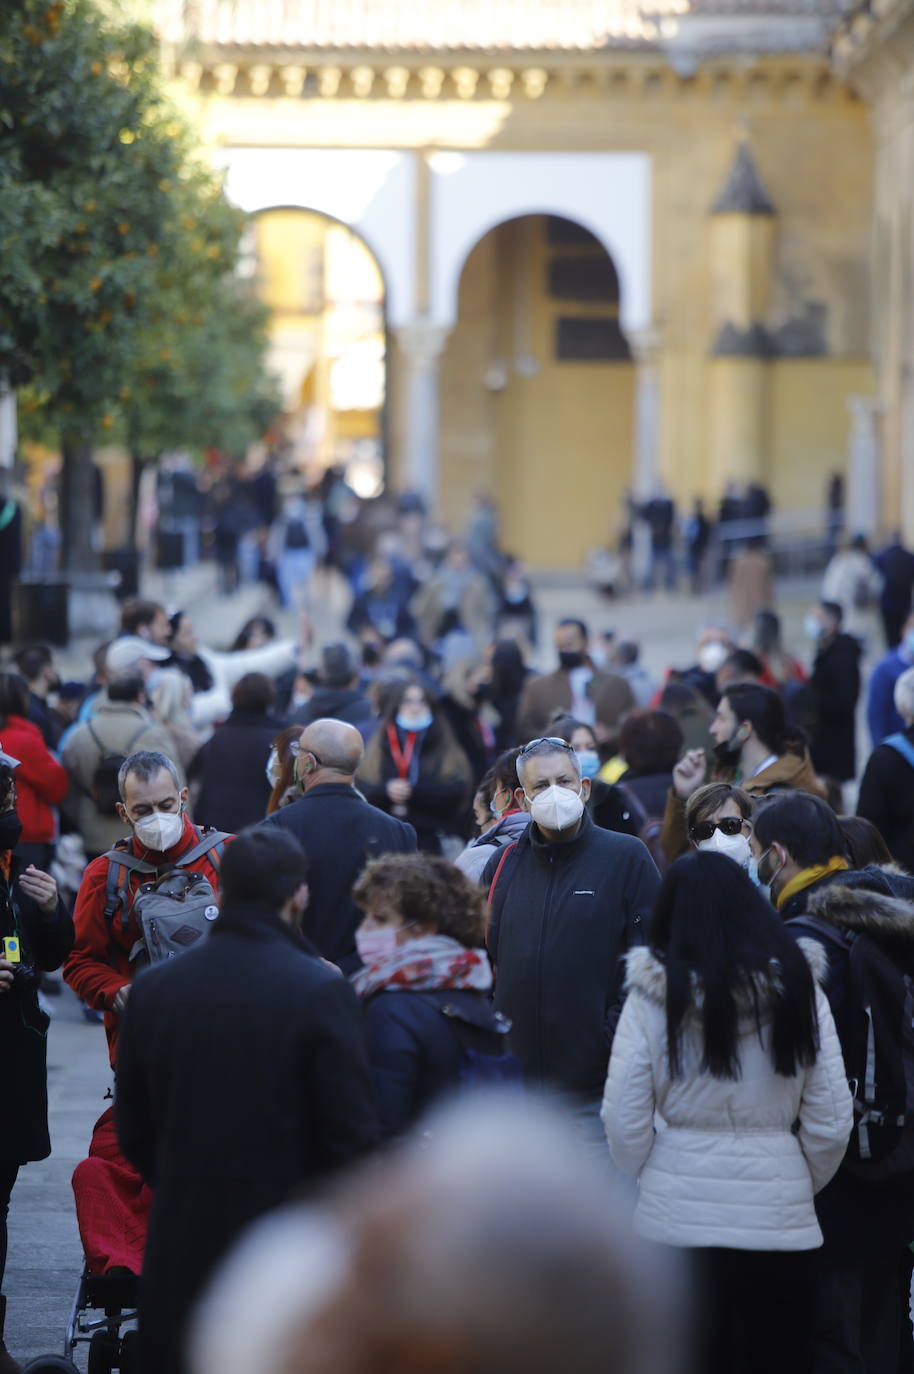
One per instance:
[(427, 964)]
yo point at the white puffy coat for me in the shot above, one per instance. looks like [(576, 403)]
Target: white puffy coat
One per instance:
[(725, 1165)]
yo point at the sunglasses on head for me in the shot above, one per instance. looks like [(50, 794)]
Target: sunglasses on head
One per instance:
[(730, 825), (546, 739)]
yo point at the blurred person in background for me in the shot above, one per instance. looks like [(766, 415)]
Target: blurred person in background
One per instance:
[(41, 782), (503, 687), (32, 916), (338, 692), (280, 768), (576, 687), (692, 712), (121, 726), (471, 717), (506, 821), (727, 1034), (712, 646), (35, 663), (651, 743), (296, 545), (854, 583), (380, 611), (492, 1244), (425, 984), (881, 714), (213, 674), (456, 600), (835, 686), (170, 698), (750, 583), (515, 615), (228, 775), (896, 565), (886, 795), (414, 768), (624, 660), (780, 669)]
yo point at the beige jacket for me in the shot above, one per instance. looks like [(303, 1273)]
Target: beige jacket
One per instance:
[(122, 729)]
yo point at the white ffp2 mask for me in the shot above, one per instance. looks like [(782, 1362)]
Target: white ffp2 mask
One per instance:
[(735, 847), (160, 830), (556, 808)]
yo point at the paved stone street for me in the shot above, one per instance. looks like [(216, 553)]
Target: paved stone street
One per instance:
[(45, 1256)]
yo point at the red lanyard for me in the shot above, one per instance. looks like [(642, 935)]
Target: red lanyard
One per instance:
[(402, 757)]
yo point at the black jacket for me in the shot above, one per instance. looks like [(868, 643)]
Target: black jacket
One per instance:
[(415, 1051), (861, 1222), (338, 703), (242, 1078), (339, 832), (563, 915), (887, 799), (231, 766), (835, 687), (44, 943)]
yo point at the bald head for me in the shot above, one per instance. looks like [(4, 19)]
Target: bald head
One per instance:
[(328, 746)]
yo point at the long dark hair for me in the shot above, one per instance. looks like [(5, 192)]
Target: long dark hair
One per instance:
[(712, 927), (14, 697)]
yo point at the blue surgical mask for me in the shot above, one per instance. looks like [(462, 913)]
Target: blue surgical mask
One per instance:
[(909, 642), (417, 723), (589, 761)]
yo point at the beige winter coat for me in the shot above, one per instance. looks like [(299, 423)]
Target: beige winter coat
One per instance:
[(720, 1162)]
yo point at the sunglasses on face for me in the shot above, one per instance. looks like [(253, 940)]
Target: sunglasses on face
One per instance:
[(730, 825), (546, 739)]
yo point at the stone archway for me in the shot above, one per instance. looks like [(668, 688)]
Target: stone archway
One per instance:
[(538, 389), (327, 297)]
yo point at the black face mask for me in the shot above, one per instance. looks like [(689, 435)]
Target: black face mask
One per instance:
[(10, 830), (728, 753), (569, 659)]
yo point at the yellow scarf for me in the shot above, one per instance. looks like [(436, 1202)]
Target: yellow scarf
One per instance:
[(806, 877)]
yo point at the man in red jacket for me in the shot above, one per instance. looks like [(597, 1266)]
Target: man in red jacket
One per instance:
[(153, 806)]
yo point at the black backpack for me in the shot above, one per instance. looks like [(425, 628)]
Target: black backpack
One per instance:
[(877, 1038), (104, 790)]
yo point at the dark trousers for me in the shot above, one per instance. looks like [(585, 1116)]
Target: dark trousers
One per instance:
[(8, 1174), (859, 1316), (755, 1311)]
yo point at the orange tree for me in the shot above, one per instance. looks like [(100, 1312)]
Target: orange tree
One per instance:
[(117, 248)]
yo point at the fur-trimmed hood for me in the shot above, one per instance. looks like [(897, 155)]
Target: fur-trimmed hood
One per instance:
[(863, 910), (645, 974)]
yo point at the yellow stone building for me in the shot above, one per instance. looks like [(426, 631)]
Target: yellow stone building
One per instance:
[(609, 243)]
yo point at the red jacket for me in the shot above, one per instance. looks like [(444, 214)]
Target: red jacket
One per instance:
[(41, 782), (99, 962)]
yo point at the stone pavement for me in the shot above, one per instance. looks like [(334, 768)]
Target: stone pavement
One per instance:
[(45, 1255)]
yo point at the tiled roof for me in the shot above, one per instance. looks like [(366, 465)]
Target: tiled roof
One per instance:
[(455, 25)]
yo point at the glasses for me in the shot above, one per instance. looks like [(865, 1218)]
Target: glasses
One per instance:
[(546, 739), (730, 825)]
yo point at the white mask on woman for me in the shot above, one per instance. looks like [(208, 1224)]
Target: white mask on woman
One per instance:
[(735, 847)]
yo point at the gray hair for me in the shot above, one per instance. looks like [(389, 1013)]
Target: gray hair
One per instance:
[(541, 748), (145, 765), (904, 696)]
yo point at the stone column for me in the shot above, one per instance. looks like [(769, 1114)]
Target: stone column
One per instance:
[(863, 498), (420, 346), (646, 465), (8, 432)]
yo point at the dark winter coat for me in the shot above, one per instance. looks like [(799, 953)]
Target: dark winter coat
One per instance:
[(231, 767), (339, 831), (610, 809), (887, 799), (415, 1051), (563, 915), (649, 789), (439, 801), (862, 1223), (242, 1079), (835, 687), (338, 703), (44, 943)]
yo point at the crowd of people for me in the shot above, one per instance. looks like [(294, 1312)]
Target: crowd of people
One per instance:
[(313, 889)]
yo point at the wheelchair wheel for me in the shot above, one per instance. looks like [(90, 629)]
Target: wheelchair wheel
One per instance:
[(50, 1364), (103, 1353), (130, 1352)]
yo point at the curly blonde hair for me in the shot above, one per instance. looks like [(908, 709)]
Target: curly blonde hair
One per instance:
[(427, 890)]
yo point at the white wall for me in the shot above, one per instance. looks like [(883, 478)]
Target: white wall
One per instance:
[(373, 191)]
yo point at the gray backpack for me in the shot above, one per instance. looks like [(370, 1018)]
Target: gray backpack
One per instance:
[(174, 908)]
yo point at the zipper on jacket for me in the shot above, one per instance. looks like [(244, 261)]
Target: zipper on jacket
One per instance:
[(540, 961)]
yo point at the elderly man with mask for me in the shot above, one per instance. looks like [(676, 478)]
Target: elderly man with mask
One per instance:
[(567, 901), (152, 807)]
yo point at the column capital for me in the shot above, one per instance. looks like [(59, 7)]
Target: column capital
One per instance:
[(422, 342), (645, 343)]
